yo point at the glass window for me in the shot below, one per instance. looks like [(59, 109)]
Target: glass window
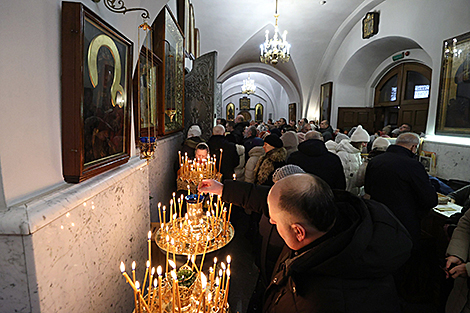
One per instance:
[(388, 93), (417, 86)]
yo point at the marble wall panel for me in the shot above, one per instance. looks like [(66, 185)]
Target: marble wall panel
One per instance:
[(14, 295), (76, 257), (162, 172), (452, 160)]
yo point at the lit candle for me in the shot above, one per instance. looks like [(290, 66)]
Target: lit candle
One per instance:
[(220, 160), (229, 260), (173, 248), (171, 211), (189, 190), (146, 273), (224, 303), (209, 298), (229, 213), (179, 205), (149, 293), (211, 272), (139, 305), (154, 295), (159, 272), (173, 293), (224, 268), (202, 298), (128, 279), (133, 280), (179, 156), (217, 290), (174, 202), (234, 176), (178, 298), (175, 216), (167, 252), (164, 216), (149, 236), (160, 214)]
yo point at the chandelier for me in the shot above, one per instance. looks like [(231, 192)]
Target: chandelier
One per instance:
[(248, 86), (275, 49)]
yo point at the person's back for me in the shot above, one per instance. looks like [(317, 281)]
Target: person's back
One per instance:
[(254, 155), (314, 158), (399, 181), (230, 157)]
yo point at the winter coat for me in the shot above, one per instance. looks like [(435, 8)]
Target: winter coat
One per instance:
[(250, 143), (254, 155), (189, 145), (239, 130), (348, 271), (331, 146), (351, 160), (240, 169), (267, 164), (230, 158), (397, 180), (314, 158), (459, 246)]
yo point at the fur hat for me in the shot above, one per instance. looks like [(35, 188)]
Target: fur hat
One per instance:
[(380, 144), (360, 135), (274, 141), (340, 137), (285, 171), (194, 131)]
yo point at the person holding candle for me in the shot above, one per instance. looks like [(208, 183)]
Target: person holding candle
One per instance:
[(340, 251)]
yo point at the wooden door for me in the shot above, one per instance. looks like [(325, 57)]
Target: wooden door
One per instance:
[(350, 117)]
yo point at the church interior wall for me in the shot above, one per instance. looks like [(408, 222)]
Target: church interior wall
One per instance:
[(427, 24)]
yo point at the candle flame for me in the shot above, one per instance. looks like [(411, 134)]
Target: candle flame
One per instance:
[(153, 271), (173, 274), (137, 285), (229, 259), (217, 281), (150, 234), (148, 264), (175, 216), (171, 202), (155, 283), (123, 267), (172, 264), (179, 200), (133, 265), (215, 260), (167, 238), (223, 265), (220, 272), (203, 280), (159, 270), (159, 204), (228, 273), (208, 214), (211, 269), (174, 194), (164, 208)]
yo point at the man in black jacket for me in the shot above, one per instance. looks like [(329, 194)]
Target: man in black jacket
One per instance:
[(230, 157), (314, 158), (340, 251), (396, 179)]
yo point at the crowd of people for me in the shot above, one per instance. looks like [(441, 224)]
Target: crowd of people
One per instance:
[(338, 212)]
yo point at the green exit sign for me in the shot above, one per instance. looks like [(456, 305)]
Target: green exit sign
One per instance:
[(398, 56)]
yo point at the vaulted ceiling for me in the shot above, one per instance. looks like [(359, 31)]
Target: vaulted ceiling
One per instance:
[(235, 29)]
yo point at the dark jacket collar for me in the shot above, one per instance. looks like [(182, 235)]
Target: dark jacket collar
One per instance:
[(313, 147), (400, 150)]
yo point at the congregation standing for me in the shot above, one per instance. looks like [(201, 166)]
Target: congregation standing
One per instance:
[(356, 166)]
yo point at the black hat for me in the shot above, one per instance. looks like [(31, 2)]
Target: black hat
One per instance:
[(274, 141)]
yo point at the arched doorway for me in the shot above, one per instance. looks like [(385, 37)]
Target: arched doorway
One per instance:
[(402, 96)]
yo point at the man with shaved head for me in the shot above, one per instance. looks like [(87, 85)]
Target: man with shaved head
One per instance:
[(230, 158), (340, 250)]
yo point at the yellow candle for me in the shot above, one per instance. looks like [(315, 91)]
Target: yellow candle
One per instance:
[(173, 293), (202, 296), (159, 272), (209, 298), (229, 260), (224, 268), (149, 293), (224, 303), (154, 295), (167, 251), (173, 248), (160, 214), (229, 213), (179, 205), (149, 236), (220, 160), (133, 280), (179, 156), (171, 211), (139, 306), (164, 216), (175, 282), (146, 273), (204, 253), (217, 290), (128, 279), (189, 190), (215, 268)]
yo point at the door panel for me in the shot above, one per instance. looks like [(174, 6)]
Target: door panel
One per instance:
[(350, 117)]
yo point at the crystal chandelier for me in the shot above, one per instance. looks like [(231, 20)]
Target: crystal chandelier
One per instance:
[(275, 49), (248, 86)]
